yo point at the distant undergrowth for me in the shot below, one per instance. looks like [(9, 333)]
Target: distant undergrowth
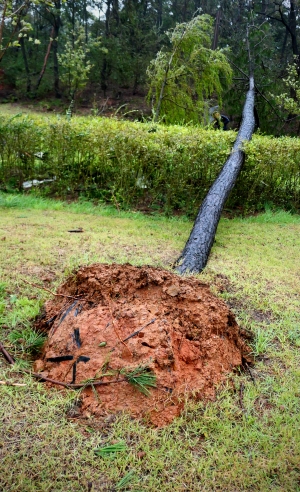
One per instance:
[(130, 164)]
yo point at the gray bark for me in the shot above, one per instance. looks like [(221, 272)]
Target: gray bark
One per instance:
[(195, 254)]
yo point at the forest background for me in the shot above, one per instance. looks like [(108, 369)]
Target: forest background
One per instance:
[(111, 44)]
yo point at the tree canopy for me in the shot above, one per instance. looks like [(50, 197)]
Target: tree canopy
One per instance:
[(36, 36), (183, 78)]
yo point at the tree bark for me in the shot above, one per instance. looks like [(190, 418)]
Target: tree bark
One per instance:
[(24, 55), (56, 27), (45, 60), (196, 251), (216, 31)]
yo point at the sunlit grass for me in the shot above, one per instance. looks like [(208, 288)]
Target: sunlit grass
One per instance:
[(246, 440)]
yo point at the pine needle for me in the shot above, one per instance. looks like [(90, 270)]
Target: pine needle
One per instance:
[(142, 379)]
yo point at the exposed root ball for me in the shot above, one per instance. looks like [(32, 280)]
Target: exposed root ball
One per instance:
[(123, 318)]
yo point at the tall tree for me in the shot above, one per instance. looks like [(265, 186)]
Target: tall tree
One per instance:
[(12, 24), (183, 78)]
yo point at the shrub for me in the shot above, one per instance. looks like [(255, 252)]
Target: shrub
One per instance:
[(166, 167)]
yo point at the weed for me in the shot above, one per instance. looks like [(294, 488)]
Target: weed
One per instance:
[(294, 336), (19, 311), (125, 480), (3, 286), (112, 449), (27, 340)]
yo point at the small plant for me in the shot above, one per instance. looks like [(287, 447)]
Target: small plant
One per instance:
[(141, 378), (2, 289), (294, 336), (125, 480), (28, 340), (112, 449), (261, 342)]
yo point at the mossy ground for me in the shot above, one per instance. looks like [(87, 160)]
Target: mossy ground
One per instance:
[(248, 439)]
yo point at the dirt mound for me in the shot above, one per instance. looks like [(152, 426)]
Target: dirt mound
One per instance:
[(123, 320)]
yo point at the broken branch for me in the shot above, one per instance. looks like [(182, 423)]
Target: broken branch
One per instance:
[(50, 291), (6, 355), (7, 383), (138, 331)]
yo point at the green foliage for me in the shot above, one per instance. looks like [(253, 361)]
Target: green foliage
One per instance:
[(166, 168), (125, 480), (292, 83), (112, 449), (16, 311), (75, 67), (141, 378), (27, 340), (182, 79)]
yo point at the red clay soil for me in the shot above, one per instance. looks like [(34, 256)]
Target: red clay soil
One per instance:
[(188, 338)]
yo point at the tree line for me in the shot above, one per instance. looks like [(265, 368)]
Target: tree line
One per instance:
[(56, 47)]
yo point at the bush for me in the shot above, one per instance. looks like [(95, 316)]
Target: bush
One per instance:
[(140, 163)]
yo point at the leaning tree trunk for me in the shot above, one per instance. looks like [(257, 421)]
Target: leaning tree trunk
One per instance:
[(195, 254)]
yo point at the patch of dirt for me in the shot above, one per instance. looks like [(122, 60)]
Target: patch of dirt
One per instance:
[(127, 317)]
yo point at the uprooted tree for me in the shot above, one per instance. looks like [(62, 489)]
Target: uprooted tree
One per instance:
[(196, 251)]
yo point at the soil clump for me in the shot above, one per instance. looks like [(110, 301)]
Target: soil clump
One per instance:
[(121, 318)]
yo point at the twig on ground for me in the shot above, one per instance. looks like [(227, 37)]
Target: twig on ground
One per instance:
[(6, 355), (73, 386), (48, 290), (251, 373), (7, 383), (138, 331), (116, 331)]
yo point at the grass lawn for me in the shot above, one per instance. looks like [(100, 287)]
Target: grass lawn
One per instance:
[(246, 440)]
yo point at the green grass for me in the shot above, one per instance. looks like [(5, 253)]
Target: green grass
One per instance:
[(246, 440)]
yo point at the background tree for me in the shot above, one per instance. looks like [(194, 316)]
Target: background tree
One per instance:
[(12, 24), (75, 66), (183, 78)]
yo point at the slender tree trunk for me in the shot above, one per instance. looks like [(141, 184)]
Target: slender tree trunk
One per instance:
[(55, 69), (24, 55), (195, 254), (56, 27), (105, 68), (216, 31), (45, 60), (284, 45), (293, 28), (159, 14)]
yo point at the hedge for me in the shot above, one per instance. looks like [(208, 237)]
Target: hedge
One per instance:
[(142, 164)]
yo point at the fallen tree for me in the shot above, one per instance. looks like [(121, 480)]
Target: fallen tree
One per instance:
[(196, 251)]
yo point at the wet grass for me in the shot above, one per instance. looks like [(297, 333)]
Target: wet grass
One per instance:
[(248, 439)]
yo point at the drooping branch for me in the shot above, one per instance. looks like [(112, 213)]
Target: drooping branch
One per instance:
[(166, 73), (196, 252)]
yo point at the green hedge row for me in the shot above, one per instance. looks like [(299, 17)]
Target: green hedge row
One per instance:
[(144, 164)]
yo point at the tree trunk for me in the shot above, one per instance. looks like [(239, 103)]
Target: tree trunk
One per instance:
[(216, 31), (195, 254), (45, 60), (56, 27), (24, 55)]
